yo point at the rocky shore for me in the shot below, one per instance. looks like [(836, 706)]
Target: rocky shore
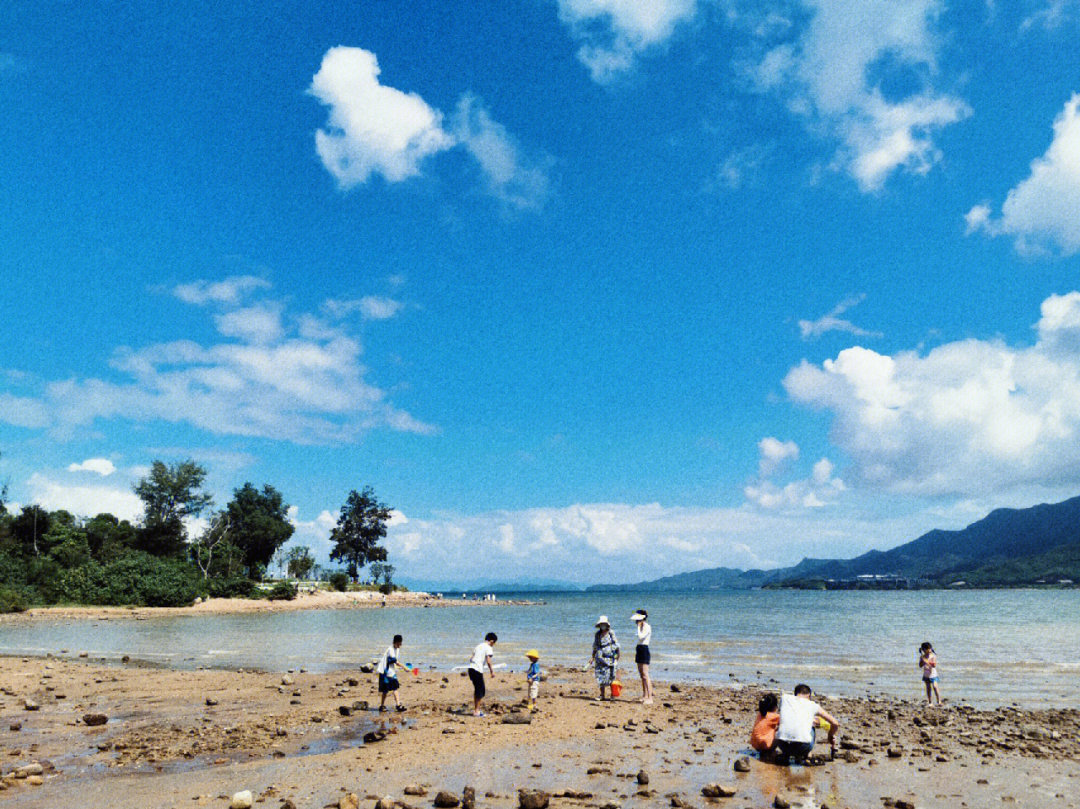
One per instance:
[(77, 733)]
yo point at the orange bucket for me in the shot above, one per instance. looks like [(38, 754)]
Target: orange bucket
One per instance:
[(616, 688)]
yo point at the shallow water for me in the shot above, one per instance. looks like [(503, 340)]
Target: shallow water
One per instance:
[(994, 647)]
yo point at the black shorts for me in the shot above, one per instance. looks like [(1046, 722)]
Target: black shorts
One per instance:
[(477, 684), (642, 655), (388, 684), (795, 750)]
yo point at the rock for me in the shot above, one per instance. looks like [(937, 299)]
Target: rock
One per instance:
[(642, 777), (349, 800), (444, 800), (742, 764), (894, 752), (242, 800), (675, 689), (718, 791), (211, 701), (368, 668), (373, 736), (344, 710), (286, 680), (352, 681), (35, 780), (287, 804), (900, 803), (385, 802), (84, 654), (30, 705), (29, 769), (95, 719), (415, 789), (533, 799), (15, 726), (780, 802), (360, 705), (468, 798), (517, 719)]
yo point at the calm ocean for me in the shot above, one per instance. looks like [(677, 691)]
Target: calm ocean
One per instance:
[(994, 647)]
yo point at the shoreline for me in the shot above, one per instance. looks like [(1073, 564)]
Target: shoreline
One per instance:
[(174, 738), (319, 600)]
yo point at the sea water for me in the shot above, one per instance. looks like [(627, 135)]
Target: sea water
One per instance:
[(995, 647)]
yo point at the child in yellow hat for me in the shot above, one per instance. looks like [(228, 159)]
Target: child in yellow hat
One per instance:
[(532, 676)]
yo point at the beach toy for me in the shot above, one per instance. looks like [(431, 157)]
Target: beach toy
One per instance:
[(616, 688)]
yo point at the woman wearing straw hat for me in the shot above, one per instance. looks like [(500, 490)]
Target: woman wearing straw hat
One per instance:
[(642, 655), (605, 655)]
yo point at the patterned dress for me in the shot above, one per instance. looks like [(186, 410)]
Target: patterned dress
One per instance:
[(606, 651)]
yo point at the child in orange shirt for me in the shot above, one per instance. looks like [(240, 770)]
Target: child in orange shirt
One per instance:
[(763, 736)]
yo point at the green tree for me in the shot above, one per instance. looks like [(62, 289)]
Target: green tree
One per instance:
[(170, 494), (300, 561), (259, 525), (30, 528), (108, 537), (360, 526), (213, 552)]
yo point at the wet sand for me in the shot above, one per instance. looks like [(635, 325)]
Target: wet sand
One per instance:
[(193, 738)]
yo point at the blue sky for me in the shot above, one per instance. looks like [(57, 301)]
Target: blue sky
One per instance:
[(589, 290)]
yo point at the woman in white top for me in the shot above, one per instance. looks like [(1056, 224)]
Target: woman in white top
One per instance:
[(643, 655)]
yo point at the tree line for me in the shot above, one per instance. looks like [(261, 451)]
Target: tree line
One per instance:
[(51, 557)]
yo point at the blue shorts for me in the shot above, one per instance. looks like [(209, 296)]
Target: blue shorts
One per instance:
[(930, 679)]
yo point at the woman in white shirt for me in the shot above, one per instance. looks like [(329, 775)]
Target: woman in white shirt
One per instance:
[(643, 655)]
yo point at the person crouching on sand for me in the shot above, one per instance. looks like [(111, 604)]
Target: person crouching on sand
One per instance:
[(763, 736), (795, 735), (481, 656), (605, 655), (532, 677), (387, 670)]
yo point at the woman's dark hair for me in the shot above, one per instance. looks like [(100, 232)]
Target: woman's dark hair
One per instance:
[(644, 614), (802, 688), (491, 637), (767, 704), (926, 647), (397, 639)]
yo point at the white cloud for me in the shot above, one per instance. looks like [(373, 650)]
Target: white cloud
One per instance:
[(830, 72), (83, 500), (816, 491), (1042, 210), (970, 417), (100, 466), (372, 128), (509, 177), (269, 382), (376, 129), (23, 411), (774, 453), (614, 32), (229, 291), (256, 324), (833, 322), (741, 166), (371, 307), (615, 542)]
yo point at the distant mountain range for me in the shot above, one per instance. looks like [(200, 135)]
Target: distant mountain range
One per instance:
[(1008, 547)]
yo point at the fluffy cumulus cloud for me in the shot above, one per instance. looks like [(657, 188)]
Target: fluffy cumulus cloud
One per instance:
[(370, 307), (1043, 210), (970, 417), (273, 379), (229, 291), (840, 64), (613, 542), (82, 499), (614, 32), (99, 466), (818, 490), (376, 129), (833, 322)]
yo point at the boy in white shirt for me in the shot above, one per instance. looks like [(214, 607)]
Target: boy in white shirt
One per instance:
[(481, 656), (795, 736)]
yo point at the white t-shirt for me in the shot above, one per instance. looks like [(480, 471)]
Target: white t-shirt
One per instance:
[(644, 633), (796, 719), (479, 657), (385, 666)]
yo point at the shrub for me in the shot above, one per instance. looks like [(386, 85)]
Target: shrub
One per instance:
[(282, 591), (11, 600), (339, 581), (233, 588), (138, 579)]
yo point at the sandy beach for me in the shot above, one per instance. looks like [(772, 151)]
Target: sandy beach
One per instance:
[(318, 600), (195, 738)]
